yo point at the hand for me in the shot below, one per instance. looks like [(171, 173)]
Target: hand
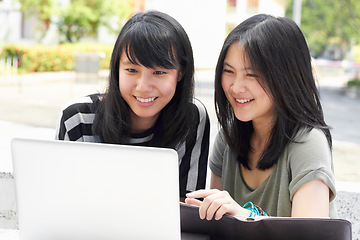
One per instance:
[(216, 203)]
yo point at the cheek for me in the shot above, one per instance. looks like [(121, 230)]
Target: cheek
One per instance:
[(125, 91), (267, 101), (270, 103), (124, 85), (169, 88), (121, 87), (222, 83), (225, 85), (259, 91)]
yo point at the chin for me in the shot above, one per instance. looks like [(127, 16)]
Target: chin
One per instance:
[(242, 119)]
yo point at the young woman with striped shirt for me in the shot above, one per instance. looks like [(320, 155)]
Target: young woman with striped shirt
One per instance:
[(149, 100)]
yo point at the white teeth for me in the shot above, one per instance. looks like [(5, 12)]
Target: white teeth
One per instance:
[(145, 100), (243, 100)]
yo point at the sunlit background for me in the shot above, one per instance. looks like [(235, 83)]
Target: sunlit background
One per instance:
[(52, 51), (55, 50)]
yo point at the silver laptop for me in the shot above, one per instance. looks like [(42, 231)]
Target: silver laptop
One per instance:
[(71, 190)]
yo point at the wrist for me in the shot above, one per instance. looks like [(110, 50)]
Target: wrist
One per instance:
[(243, 212), (254, 210)]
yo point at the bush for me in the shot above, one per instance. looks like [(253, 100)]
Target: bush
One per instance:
[(40, 58), (354, 82), (12, 51)]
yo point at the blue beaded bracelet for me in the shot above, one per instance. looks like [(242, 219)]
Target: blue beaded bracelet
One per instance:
[(255, 210)]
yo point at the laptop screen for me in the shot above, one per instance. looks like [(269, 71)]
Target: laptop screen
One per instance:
[(71, 190)]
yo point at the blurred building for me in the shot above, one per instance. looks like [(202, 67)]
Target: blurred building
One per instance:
[(11, 23), (207, 22), (239, 10)]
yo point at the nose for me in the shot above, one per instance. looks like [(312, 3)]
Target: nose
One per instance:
[(238, 85), (144, 82)]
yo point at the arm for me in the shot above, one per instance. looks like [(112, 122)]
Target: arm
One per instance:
[(216, 203), (215, 181), (60, 129), (194, 152), (311, 200), (76, 119), (312, 186)]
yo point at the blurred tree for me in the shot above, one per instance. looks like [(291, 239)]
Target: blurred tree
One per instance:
[(329, 22), (83, 17), (42, 8), (79, 17)]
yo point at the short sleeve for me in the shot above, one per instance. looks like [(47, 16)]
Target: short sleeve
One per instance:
[(217, 155), (310, 159)]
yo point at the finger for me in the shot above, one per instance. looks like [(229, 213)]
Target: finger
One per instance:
[(216, 205), (211, 203), (201, 193), (222, 211), (193, 201)]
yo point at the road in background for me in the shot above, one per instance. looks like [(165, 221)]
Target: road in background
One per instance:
[(30, 106)]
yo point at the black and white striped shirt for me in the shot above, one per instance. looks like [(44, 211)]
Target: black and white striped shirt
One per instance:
[(76, 122)]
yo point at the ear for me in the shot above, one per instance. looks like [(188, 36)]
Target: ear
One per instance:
[(180, 75)]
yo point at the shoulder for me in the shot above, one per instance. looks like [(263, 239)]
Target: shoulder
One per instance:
[(87, 104), (83, 101), (80, 110), (220, 140), (309, 139), (308, 135), (220, 147), (76, 119), (310, 158), (199, 107), (311, 149), (197, 115), (221, 155)]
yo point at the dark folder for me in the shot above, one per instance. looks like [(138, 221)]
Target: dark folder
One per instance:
[(277, 228)]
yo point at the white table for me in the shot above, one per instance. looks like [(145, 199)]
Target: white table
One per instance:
[(9, 234)]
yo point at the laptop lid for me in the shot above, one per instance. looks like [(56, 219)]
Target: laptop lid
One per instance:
[(71, 190)]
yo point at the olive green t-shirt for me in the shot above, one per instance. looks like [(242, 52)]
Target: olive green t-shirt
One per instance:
[(301, 162)]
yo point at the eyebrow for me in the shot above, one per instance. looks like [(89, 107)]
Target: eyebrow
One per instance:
[(127, 62), (229, 65)]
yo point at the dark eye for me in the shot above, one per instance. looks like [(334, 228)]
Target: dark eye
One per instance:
[(159, 72), (131, 70), (251, 75), (227, 70)]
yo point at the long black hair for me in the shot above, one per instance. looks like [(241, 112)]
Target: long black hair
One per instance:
[(152, 39), (278, 52)]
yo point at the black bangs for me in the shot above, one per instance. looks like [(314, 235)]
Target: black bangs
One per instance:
[(141, 45)]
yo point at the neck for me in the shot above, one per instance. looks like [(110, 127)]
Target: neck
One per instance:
[(261, 133), (140, 124), (259, 142)]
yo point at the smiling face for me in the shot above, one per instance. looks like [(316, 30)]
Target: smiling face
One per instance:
[(146, 90), (239, 82)]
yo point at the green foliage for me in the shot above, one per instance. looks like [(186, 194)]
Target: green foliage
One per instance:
[(80, 17), (354, 82), (115, 11), (43, 8), (329, 22), (11, 51), (40, 58), (76, 20), (83, 17)]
